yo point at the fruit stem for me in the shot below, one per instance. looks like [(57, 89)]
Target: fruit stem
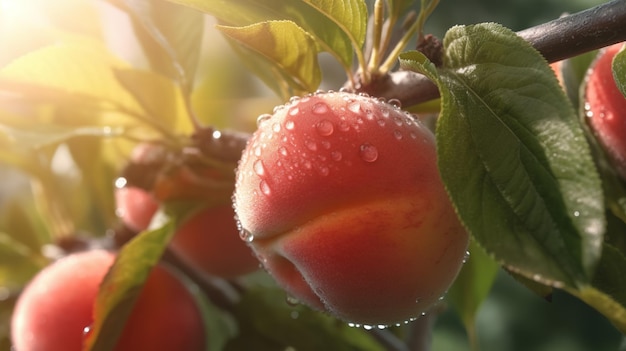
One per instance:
[(427, 8)]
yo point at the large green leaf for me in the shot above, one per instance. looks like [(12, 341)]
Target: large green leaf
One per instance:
[(284, 44), (171, 37), (513, 156), (619, 70)]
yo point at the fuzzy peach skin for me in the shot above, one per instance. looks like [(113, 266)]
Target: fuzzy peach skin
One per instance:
[(605, 108), (55, 308), (340, 197), (209, 242)]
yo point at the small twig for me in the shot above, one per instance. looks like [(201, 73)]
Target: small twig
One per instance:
[(556, 40)]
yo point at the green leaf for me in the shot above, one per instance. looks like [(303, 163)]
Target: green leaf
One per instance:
[(18, 263), (284, 44), (350, 16), (339, 27), (472, 286), (265, 313), (162, 100), (171, 37), (607, 292), (619, 69), (82, 67), (123, 283), (513, 156)]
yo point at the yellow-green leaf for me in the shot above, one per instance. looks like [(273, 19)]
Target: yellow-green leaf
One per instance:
[(284, 44)]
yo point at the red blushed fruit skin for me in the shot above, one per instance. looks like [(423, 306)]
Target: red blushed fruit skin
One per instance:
[(135, 207), (209, 241), (341, 199), (54, 309), (605, 107)]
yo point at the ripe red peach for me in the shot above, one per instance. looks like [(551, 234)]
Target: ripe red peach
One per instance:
[(605, 107), (340, 197), (57, 305), (209, 241)]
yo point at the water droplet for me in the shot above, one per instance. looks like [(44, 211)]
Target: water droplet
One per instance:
[(384, 112), (324, 171), (397, 120), (292, 301), (294, 314), (354, 107), (576, 213), (307, 164), (246, 235), (259, 168), (290, 125), (120, 182), (319, 92), (466, 256), (381, 122), (294, 99), (363, 94), (336, 155), (395, 103), (344, 126), (257, 151), (311, 145), (283, 151), (294, 111), (276, 127), (216, 134), (325, 127), (325, 144), (369, 153), (413, 135), (344, 90), (368, 327), (265, 188), (320, 108), (397, 134)]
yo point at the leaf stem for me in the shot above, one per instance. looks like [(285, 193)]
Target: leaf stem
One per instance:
[(428, 6), (379, 17)]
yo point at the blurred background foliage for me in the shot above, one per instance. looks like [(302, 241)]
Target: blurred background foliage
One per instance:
[(226, 96)]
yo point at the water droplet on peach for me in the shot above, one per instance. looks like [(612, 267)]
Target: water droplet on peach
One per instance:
[(294, 111), (262, 118), (290, 125), (311, 145), (246, 235), (368, 152), (354, 107), (283, 151), (265, 188), (336, 155), (259, 168), (325, 127), (397, 134), (395, 103), (320, 108)]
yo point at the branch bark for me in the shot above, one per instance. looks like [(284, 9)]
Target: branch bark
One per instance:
[(556, 40)]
